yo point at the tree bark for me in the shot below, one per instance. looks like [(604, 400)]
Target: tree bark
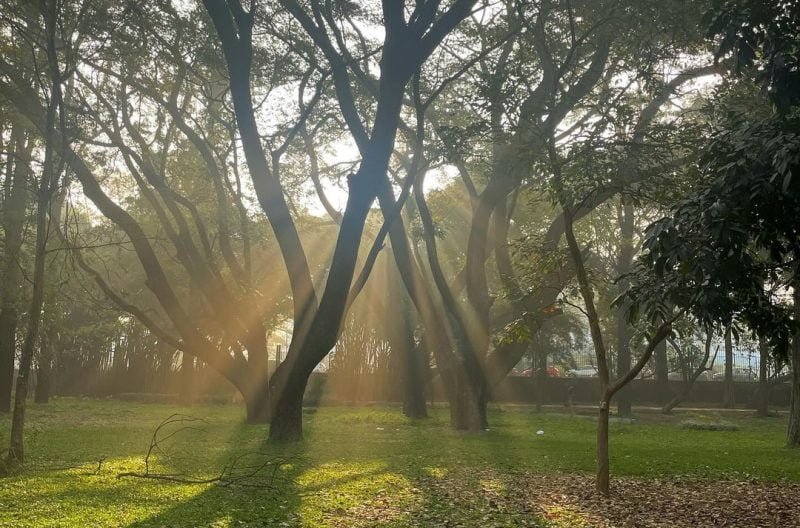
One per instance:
[(624, 405), (16, 452), (728, 396), (793, 432), (15, 201), (762, 402), (414, 401), (702, 367), (257, 402), (539, 364), (8, 348), (662, 373), (603, 479), (256, 378), (286, 420), (186, 394), (468, 409), (44, 368), (411, 356), (626, 224)]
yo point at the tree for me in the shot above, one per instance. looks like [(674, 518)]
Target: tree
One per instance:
[(729, 251), (692, 375), (16, 183), (47, 184), (531, 81), (153, 186), (316, 323), (607, 388)]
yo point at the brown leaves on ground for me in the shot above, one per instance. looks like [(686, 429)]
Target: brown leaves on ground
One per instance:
[(651, 503), (493, 499)]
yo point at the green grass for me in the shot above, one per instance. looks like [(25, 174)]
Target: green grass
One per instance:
[(357, 466)]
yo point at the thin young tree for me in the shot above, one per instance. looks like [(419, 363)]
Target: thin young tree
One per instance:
[(47, 184)]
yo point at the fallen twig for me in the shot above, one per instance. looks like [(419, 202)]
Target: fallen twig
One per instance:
[(259, 475)]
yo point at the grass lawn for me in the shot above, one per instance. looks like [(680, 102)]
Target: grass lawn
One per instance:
[(366, 466)]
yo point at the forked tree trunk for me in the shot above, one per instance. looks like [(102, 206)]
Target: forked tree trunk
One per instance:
[(607, 389), (469, 401), (674, 402)]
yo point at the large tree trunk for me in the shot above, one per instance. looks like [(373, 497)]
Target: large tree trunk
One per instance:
[(414, 401), (410, 357), (257, 393), (728, 396), (414, 376), (257, 402), (793, 433), (468, 408), (286, 420)]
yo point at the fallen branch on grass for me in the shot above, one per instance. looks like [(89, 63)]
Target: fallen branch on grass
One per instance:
[(258, 474)]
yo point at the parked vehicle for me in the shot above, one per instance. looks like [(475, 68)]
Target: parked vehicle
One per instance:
[(584, 371), (552, 372), (739, 374), (704, 376)]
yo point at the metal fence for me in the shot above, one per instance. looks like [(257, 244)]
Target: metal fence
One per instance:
[(583, 363)]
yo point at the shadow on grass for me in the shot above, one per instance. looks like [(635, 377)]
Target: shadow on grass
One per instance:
[(359, 467), (267, 499), (347, 485)]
